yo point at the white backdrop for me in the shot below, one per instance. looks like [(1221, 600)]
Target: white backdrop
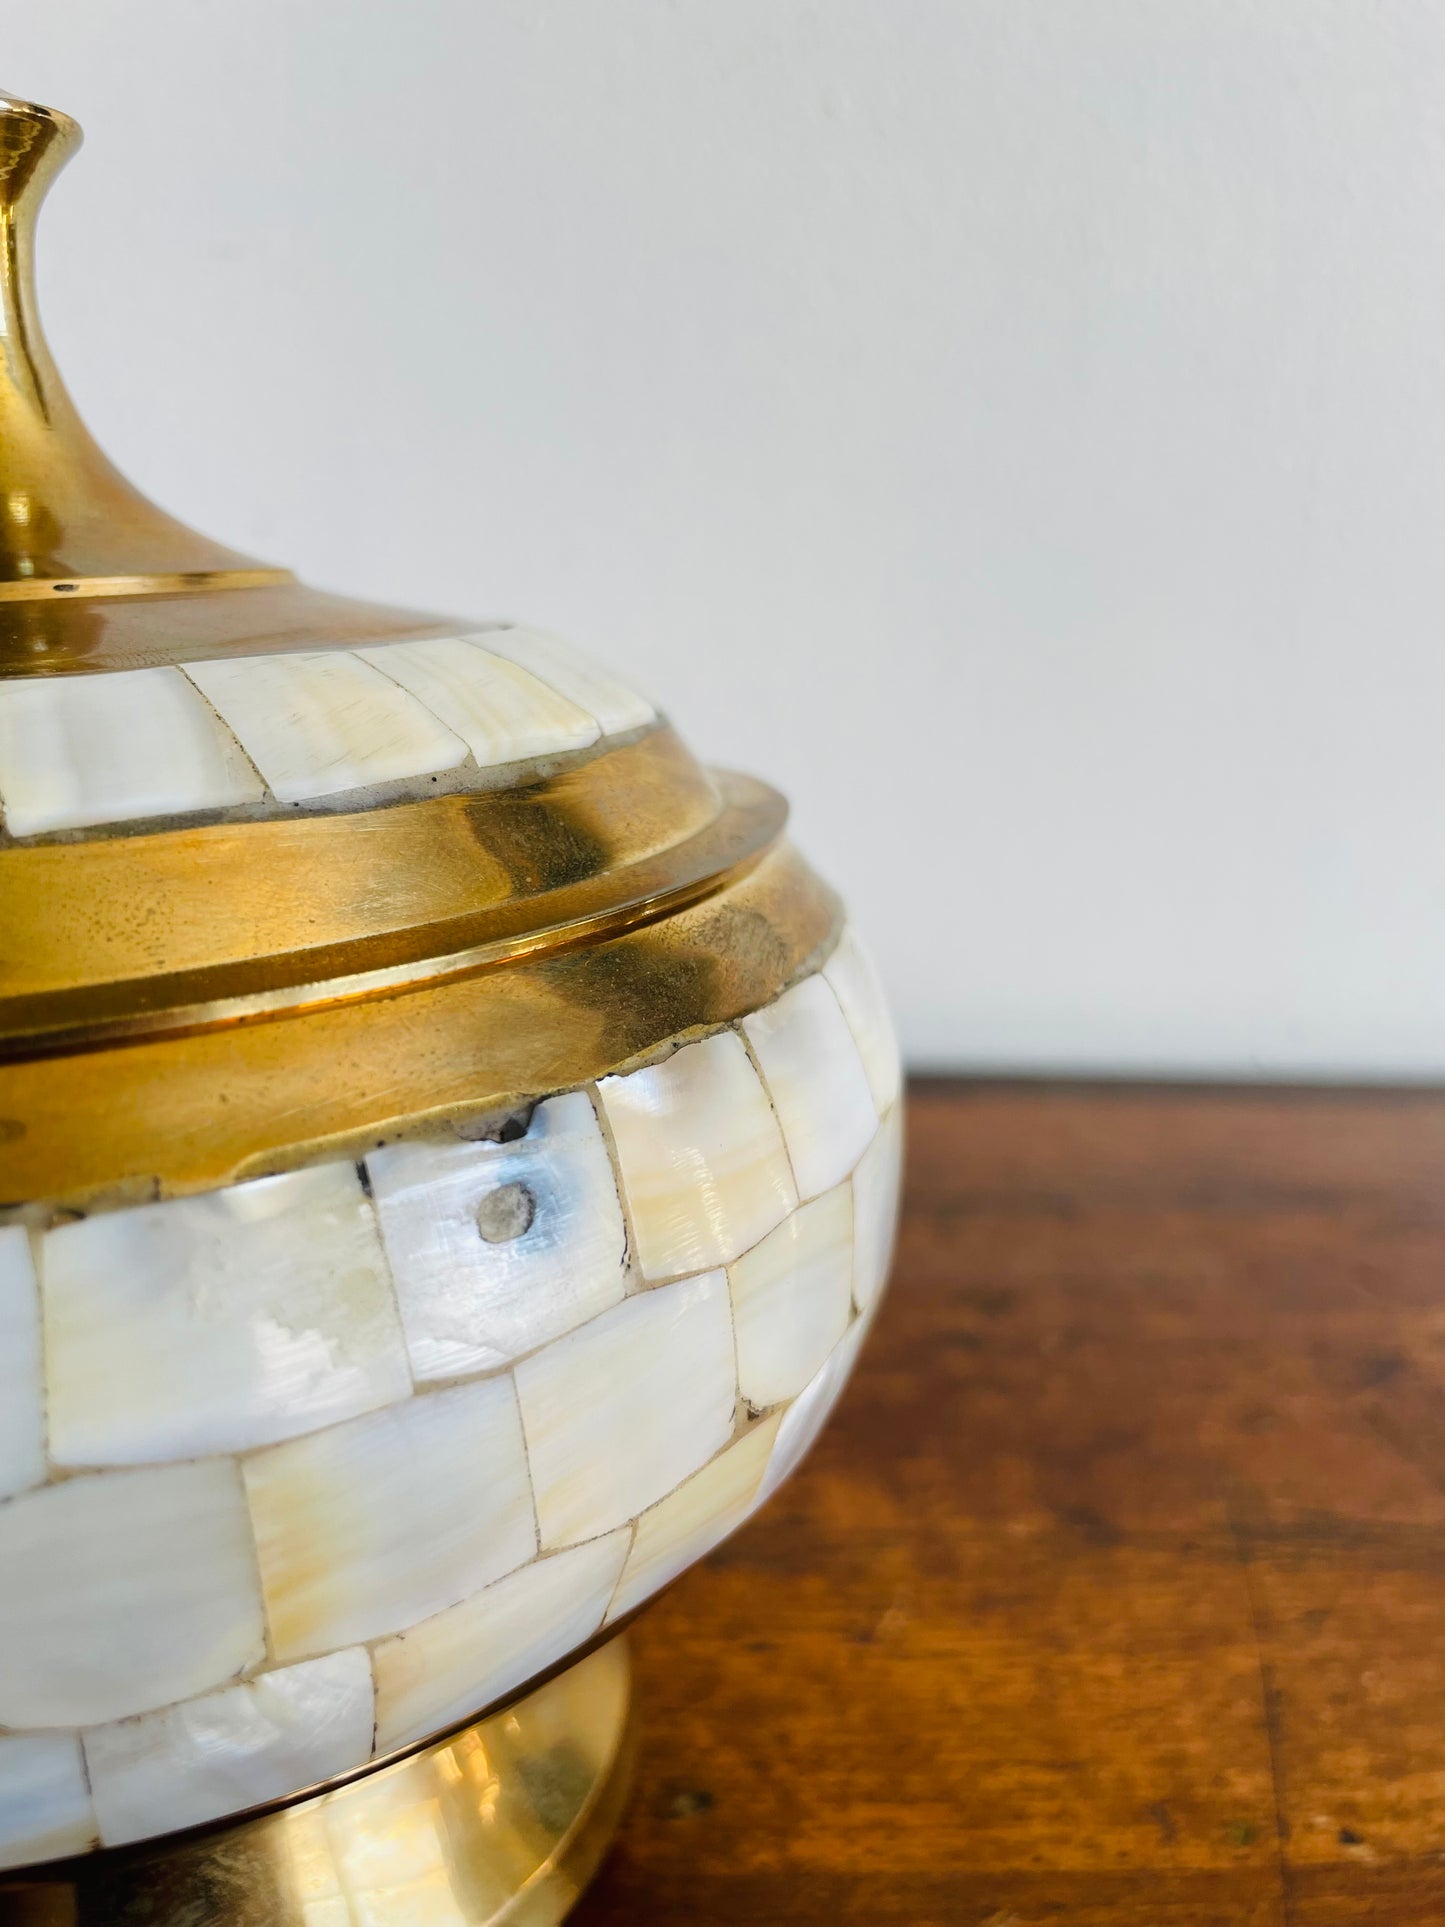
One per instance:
[(1014, 425)]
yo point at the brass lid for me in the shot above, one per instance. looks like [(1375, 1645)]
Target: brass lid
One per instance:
[(189, 998)]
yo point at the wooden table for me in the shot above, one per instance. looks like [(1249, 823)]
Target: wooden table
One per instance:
[(1116, 1591)]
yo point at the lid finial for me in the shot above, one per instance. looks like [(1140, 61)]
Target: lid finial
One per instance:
[(70, 523)]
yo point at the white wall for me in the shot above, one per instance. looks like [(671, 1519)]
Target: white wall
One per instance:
[(1018, 426)]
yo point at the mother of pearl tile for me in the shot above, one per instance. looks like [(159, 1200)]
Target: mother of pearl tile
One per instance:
[(382, 1521), (466, 1658), (854, 977), (622, 1410), (677, 1531), (319, 722), (876, 1186), (573, 675), (816, 1079), (45, 1810), (805, 1417), (123, 1591), (792, 1298), (702, 1160), (22, 1410), (273, 1736), (218, 1322), (77, 750), (471, 1301), (501, 712)]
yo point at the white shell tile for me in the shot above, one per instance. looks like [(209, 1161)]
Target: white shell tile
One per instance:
[(805, 1417), (703, 1164), (319, 722), (218, 1322), (80, 750), (816, 1080), (269, 1738), (574, 675), (671, 1535), (45, 1811), (876, 1186), (450, 1667), (792, 1298), (377, 1523), (123, 1591), (858, 988), (22, 1399), (471, 1302), (501, 711), (622, 1410)]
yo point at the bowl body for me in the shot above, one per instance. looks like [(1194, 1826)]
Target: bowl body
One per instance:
[(375, 1335)]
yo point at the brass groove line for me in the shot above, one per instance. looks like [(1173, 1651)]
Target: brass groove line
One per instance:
[(196, 582)]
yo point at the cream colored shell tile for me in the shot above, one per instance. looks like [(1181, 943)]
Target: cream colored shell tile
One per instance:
[(219, 1322), (792, 1298), (320, 722), (501, 712), (79, 750), (498, 1248), (702, 1160), (452, 1666), (271, 1737), (816, 1080), (385, 1520), (876, 1185), (22, 1402), (45, 1810), (123, 1591), (805, 1417), (574, 675), (622, 1410), (677, 1531), (854, 977)]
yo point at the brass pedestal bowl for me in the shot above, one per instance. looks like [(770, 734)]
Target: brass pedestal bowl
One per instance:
[(448, 1159)]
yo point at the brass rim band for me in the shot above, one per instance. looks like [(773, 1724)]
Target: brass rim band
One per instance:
[(749, 825), (197, 582), (175, 1113)]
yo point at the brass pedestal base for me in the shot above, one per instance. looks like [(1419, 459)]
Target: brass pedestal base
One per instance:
[(504, 1823)]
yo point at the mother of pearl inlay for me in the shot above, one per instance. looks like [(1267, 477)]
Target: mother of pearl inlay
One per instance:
[(79, 750), (701, 1157), (362, 1509), (213, 1323), (22, 1416), (501, 712), (377, 1523), (470, 1301), (319, 722), (622, 1410), (125, 1590)]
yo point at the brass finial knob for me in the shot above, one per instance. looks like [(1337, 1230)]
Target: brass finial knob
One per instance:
[(70, 523)]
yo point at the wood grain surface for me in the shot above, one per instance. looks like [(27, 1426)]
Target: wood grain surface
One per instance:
[(1116, 1590)]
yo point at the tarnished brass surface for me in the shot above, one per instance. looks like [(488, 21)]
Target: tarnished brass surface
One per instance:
[(97, 932), (186, 1113), (251, 990), (505, 1822)]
